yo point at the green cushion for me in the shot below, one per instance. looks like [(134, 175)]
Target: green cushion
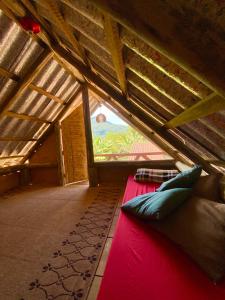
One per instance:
[(184, 179), (157, 205)]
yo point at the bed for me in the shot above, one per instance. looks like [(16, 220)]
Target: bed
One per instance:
[(143, 264)]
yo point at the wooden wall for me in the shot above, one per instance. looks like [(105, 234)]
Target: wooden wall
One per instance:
[(118, 172), (43, 163), (9, 181), (74, 146)]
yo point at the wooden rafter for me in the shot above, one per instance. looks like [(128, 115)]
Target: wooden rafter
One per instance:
[(50, 128), (56, 14), (154, 22), (13, 156), (45, 93), (16, 139), (46, 30), (115, 48), (132, 108), (25, 117), (8, 74), (32, 86), (219, 163), (16, 7), (203, 108), (71, 70), (23, 83)]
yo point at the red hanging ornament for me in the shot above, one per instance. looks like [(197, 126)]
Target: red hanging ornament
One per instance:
[(29, 24)]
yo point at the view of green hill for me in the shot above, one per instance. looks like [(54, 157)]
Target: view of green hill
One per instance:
[(101, 129), (109, 138)]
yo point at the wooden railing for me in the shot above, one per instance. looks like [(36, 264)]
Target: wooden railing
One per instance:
[(137, 156)]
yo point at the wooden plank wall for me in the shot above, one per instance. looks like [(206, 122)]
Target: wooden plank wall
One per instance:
[(74, 146), (43, 163), (9, 182)]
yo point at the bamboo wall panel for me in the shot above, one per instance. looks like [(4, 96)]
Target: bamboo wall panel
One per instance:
[(74, 146)]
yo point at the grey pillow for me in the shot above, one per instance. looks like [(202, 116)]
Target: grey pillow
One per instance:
[(198, 226)]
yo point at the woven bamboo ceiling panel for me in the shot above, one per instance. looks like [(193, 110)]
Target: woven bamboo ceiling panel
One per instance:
[(25, 118)]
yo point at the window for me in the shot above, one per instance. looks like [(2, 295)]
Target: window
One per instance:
[(115, 140)]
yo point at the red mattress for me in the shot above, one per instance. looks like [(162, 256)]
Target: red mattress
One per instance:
[(144, 265)]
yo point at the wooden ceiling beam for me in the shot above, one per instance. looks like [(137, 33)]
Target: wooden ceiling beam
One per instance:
[(70, 69), (164, 65), (32, 86), (213, 103), (67, 30), (156, 22), (44, 136), (8, 74), (16, 139), (12, 114), (133, 109), (15, 7), (45, 93), (24, 82), (13, 156), (116, 49)]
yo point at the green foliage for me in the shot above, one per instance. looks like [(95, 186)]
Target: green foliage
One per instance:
[(116, 142)]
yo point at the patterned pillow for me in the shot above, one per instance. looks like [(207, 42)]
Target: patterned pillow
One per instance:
[(154, 175)]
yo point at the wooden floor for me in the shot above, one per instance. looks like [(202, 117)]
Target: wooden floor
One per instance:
[(33, 223)]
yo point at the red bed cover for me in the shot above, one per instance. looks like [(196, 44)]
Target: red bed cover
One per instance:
[(144, 265)]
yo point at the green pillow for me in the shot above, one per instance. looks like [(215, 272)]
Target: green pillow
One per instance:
[(156, 205), (184, 179)]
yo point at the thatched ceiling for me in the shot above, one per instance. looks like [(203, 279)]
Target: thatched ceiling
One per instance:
[(162, 60)]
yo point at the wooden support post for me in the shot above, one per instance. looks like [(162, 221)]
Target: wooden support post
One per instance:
[(60, 154), (25, 177), (116, 50), (203, 108), (12, 114), (92, 172)]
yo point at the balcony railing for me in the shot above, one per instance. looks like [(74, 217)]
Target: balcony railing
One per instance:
[(132, 156)]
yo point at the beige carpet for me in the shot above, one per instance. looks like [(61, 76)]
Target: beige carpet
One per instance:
[(51, 240)]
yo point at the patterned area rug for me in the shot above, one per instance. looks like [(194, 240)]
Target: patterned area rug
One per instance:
[(68, 274)]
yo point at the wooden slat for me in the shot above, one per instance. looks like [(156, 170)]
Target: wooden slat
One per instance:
[(16, 7), (203, 108), (46, 29), (71, 70), (45, 93), (8, 74), (24, 82), (25, 117), (115, 48), (132, 108), (50, 128), (16, 139), (10, 169), (164, 27), (56, 14), (13, 156)]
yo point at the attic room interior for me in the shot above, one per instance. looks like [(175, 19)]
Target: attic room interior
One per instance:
[(112, 150)]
